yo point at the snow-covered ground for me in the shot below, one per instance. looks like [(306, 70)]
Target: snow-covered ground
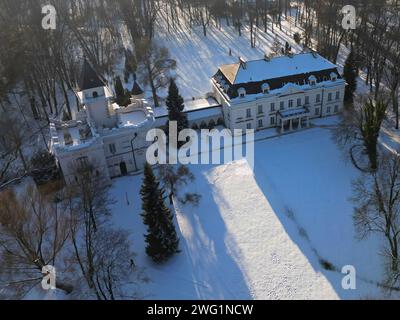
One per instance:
[(262, 234), (256, 234), (199, 57)]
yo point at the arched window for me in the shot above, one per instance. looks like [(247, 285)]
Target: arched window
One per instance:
[(241, 92), (265, 88), (312, 80)]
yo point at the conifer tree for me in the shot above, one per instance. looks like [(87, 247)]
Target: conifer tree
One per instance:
[(161, 238), (121, 96), (350, 73), (175, 106)]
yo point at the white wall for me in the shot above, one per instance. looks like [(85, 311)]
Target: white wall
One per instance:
[(235, 112)]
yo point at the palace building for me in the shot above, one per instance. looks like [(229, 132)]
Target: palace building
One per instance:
[(283, 92)]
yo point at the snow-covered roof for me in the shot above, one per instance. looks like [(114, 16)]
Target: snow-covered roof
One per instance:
[(204, 113), (190, 106), (134, 115), (71, 135), (133, 118), (278, 67), (294, 112)]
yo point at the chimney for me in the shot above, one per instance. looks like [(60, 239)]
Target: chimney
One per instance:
[(266, 57)]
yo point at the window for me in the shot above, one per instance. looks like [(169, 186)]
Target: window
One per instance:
[(260, 123), (337, 95), (336, 109), (290, 103), (260, 109), (248, 113), (299, 102), (95, 94), (316, 111), (328, 110), (272, 107), (312, 80), (83, 161), (112, 148), (307, 100), (248, 126), (272, 120), (282, 105), (265, 88), (330, 96), (318, 98)]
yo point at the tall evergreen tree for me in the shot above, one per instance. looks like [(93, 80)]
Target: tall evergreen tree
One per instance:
[(161, 238), (350, 73), (175, 107), (122, 97)]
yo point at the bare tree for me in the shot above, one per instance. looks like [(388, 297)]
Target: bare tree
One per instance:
[(34, 231), (13, 135), (102, 253), (392, 76), (114, 269), (359, 132), (377, 199), (155, 66), (174, 177)]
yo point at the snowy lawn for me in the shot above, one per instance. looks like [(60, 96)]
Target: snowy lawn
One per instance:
[(262, 234), (198, 57)]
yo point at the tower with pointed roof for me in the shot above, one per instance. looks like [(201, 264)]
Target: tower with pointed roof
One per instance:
[(137, 92), (95, 96)]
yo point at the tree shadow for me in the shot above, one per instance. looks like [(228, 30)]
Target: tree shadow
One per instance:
[(210, 250), (308, 188)]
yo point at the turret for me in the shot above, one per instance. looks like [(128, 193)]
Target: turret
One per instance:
[(95, 96)]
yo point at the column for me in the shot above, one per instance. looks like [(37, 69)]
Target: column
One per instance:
[(299, 126), (308, 121), (282, 121), (290, 125)]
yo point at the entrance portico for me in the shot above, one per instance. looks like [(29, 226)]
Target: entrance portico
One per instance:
[(294, 119)]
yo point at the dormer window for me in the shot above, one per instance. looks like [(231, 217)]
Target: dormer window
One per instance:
[(312, 80), (226, 87), (333, 76), (265, 88), (242, 92)]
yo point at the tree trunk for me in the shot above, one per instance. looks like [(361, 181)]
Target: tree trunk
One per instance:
[(153, 88), (66, 287)]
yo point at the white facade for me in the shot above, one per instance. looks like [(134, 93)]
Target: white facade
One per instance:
[(284, 92), (287, 107), (111, 138)]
